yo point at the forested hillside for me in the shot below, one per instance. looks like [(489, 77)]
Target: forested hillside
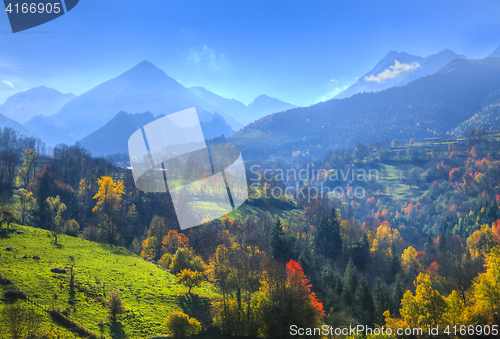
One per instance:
[(413, 241), (432, 106)]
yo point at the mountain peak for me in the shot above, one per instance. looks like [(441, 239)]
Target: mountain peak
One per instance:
[(145, 64), (262, 97), (145, 67)]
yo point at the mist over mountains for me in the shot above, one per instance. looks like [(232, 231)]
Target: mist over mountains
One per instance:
[(144, 88), (261, 106), (423, 99), (42, 100)]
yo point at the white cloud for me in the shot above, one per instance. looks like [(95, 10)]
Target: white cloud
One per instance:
[(333, 80), (10, 84), (392, 72)]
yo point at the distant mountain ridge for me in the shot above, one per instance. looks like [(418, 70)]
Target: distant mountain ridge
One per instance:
[(432, 106), (42, 100), (496, 52), (142, 88), (398, 69), (113, 137), (9, 123), (259, 108)]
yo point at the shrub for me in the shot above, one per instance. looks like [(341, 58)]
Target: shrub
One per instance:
[(180, 325), (4, 281), (13, 294), (115, 305)]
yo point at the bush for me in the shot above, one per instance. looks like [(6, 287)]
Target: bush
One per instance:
[(72, 325), (180, 325), (4, 281), (115, 305), (14, 293)]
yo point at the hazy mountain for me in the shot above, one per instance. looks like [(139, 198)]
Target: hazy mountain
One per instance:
[(142, 88), (431, 64), (231, 109), (387, 73), (496, 52), (264, 105), (398, 69), (260, 107), (42, 100), (113, 136), (431, 106), (7, 122), (488, 117)]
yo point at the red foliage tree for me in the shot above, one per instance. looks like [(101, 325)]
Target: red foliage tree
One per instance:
[(297, 281)]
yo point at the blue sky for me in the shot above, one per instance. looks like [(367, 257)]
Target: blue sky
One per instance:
[(297, 51)]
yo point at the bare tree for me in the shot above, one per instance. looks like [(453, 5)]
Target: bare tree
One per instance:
[(115, 305)]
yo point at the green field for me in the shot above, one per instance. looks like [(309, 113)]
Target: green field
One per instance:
[(149, 293)]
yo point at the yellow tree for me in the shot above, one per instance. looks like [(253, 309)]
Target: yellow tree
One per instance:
[(190, 278), (25, 202), (486, 289), (180, 325), (426, 308), (56, 208), (28, 171), (109, 198), (482, 241), (409, 260), (457, 313)]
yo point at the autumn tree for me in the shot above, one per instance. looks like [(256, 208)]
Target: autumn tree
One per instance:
[(56, 208), (8, 216), (109, 198), (152, 245), (236, 271), (180, 325), (286, 300), (424, 308), (190, 278), (28, 171), (409, 261), (486, 289), (173, 241), (457, 313), (25, 204), (186, 258)]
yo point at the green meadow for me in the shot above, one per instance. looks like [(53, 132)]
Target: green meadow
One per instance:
[(149, 293)]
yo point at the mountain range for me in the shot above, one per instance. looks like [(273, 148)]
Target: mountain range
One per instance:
[(144, 88), (262, 105), (42, 100), (431, 106), (398, 69), (113, 137), (461, 94)]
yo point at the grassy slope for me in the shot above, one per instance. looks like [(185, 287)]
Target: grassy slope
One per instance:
[(148, 292)]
